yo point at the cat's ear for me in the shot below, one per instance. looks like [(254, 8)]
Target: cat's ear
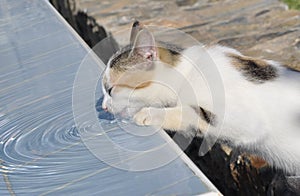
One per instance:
[(144, 45), (136, 28)]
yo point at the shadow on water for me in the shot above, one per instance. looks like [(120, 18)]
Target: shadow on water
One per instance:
[(101, 113)]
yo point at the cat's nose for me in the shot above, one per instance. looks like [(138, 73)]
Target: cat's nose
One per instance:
[(104, 107)]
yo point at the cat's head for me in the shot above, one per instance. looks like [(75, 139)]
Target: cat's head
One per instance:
[(130, 69)]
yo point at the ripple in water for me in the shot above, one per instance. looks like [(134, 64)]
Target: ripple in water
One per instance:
[(45, 152), (42, 151)]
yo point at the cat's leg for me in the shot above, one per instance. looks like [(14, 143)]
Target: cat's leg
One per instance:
[(174, 118)]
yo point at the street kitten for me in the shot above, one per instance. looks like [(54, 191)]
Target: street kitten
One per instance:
[(262, 106)]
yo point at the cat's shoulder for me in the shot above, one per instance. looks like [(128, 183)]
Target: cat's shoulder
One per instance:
[(254, 69)]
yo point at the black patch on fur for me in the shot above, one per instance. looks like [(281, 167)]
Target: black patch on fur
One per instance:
[(255, 70), (173, 52), (205, 115), (136, 23)]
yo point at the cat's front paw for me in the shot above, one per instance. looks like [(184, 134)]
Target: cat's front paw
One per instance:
[(148, 116), (143, 117)]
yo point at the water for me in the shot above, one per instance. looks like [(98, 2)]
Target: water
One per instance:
[(41, 149)]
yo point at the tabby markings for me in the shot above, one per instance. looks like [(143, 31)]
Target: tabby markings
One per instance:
[(255, 70)]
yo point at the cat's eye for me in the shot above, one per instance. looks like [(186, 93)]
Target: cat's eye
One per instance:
[(109, 91)]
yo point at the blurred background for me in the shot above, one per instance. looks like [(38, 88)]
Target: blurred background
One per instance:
[(261, 28)]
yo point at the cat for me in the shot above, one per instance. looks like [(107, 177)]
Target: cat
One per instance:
[(262, 105)]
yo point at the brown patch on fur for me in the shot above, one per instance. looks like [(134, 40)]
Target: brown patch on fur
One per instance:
[(168, 56), (140, 86), (205, 115), (257, 161), (255, 70), (135, 79)]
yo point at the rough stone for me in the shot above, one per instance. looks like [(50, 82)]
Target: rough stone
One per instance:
[(261, 28)]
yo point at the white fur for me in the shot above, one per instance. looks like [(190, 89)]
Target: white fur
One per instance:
[(264, 118)]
